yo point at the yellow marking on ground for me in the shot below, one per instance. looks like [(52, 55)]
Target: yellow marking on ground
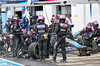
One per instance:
[(84, 56), (57, 57), (76, 51), (97, 53)]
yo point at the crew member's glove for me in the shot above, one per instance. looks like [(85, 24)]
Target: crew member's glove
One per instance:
[(45, 36), (11, 36)]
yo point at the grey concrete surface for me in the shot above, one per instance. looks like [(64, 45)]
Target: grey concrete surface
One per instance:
[(72, 60)]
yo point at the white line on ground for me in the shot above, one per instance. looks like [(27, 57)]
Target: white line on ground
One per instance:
[(12, 62)]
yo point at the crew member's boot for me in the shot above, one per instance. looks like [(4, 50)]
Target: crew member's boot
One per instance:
[(63, 60), (53, 60)]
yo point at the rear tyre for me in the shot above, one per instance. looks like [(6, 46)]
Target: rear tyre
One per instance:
[(33, 50)]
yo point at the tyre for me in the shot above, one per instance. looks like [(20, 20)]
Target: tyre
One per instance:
[(33, 50)]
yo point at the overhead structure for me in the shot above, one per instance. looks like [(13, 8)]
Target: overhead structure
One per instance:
[(62, 2), (14, 3)]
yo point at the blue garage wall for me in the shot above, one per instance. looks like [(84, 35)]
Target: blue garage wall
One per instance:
[(4, 20), (25, 11), (35, 0)]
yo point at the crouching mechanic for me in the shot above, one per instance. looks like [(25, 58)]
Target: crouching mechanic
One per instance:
[(85, 33), (27, 42), (61, 31), (41, 30), (96, 32)]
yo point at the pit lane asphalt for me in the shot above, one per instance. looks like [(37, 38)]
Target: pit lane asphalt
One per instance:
[(32, 62), (72, 60), (29, 62)]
